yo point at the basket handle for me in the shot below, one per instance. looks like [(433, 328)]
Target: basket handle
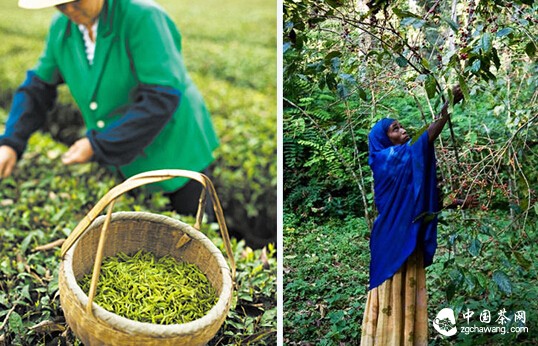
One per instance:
[(136, 181)]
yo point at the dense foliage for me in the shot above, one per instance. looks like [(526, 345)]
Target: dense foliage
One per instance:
[(347, 65), (326, 279), (324, 284), (230, 53)]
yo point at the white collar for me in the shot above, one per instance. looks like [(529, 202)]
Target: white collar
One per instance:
[(88, 43)]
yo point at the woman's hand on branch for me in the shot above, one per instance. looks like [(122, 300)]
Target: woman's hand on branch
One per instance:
[(436, 127), (457, 97), (457, 93)]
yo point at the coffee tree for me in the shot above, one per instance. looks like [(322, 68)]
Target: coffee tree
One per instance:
[(348, 64)]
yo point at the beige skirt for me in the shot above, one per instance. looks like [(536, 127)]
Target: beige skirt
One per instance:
[(396, 311)]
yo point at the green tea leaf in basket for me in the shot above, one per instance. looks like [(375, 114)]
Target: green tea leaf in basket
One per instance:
[(146, 289)]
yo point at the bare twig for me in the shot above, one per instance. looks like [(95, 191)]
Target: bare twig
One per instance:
[(7, 316), (49, 246), (431, 9)]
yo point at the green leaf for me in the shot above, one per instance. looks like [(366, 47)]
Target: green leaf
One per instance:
[(26, 242), (401, 61), (335, 3), (335, 64), (453, 25), (530, 49), (504, 32), (475, 66), (15, 323), (362, 94), (495, 58), (397, 47), (347, 78), (25, 292), (503, 281), (470, 281), (464, 88), (430, 86), (416, 23), (405, 14), (425, 63), (330, 56), (343, 91), (286, 46), (413, 141), (482, 280), (426, 216), (486, 42), (381, 55), (486, 74), (331, 81), (474, 248), (336, 316), (472, 138), (523, 262), (450, 290)]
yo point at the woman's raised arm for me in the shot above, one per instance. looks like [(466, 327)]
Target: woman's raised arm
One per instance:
[(437, 126)]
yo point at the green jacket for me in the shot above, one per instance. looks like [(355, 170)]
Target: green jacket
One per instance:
[(137, 43)]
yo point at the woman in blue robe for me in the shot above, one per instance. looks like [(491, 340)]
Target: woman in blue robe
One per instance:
[(403, 238)]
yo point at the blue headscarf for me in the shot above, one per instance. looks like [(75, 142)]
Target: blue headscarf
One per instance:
[(406, 198), (378, 139)]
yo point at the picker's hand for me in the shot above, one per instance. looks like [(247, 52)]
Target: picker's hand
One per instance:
[(80, 152), (8, 159), (458, 95)]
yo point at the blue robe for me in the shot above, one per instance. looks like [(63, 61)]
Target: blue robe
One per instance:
[(406, 198)]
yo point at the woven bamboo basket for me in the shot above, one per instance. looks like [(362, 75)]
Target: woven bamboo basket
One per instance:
[(96, 237)]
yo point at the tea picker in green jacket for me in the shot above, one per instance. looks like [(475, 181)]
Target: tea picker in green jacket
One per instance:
[(122, 62)]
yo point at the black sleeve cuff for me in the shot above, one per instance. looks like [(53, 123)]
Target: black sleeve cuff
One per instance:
[(123, 140)]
